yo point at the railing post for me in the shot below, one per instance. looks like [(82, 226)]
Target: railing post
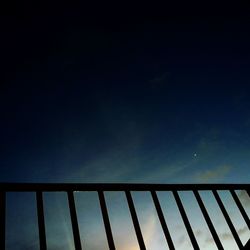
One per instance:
[(74, 223), (185, 220), (135, 220), (208, 220), (41, 223), (106, 220), (162, 220), (228, 220), (239, 205), (2, 219)]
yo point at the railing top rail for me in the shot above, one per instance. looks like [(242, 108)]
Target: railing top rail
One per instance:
[(58, 187)]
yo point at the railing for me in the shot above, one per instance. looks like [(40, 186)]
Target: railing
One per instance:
[(39, 189)]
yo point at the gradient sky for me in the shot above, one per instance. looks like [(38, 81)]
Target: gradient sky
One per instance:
[(156, 100)]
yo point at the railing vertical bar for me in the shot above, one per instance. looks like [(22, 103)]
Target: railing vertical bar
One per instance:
[(135, 220), (247, 245), (228, 220), (162, 220), (41, 223), (2, 218), (208, 220), (74, 222), (185, 220), (239, 205), (106, 220), (248, 192)]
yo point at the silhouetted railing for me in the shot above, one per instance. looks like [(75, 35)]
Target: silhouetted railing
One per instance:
[(39, 189)]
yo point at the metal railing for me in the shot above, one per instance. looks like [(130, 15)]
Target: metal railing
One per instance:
[(39, 189)]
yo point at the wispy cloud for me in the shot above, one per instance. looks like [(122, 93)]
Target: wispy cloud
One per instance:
[(243, 230), (227, 235), (244, 198), (181, 240), (211, 175), (162, 173)]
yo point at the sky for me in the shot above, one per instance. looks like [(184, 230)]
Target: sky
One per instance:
[(141, 100), (154, 101)]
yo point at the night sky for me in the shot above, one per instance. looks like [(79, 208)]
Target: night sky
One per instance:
[(152, 99), (146, 100)]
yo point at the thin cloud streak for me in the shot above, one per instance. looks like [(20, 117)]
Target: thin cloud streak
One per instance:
[(211, 175), (244, 198)]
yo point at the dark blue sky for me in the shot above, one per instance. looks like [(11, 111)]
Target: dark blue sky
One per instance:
[(140, 100), (122, 95)]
